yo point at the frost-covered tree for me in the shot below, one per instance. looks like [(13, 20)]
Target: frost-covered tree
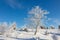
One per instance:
[(13, 27), (3, 27), (35, 16)]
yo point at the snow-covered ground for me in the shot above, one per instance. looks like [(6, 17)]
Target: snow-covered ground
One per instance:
[(52, 34)]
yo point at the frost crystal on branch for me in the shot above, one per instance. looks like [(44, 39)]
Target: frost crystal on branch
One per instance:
[(38, 12)]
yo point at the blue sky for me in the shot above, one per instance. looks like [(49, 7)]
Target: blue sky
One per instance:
[(17, 10)]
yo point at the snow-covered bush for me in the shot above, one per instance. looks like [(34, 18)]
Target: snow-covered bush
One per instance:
[(26, 29), (59, 27), (52, 27)]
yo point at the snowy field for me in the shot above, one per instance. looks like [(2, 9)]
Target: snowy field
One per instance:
[(52, 34)]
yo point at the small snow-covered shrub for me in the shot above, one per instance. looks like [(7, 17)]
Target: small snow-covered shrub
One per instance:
[(46, 32), (52, 27), (25, 29)]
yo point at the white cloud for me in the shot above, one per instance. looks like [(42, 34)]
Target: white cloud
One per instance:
[(13, 3), (57, 22), (49, 19)]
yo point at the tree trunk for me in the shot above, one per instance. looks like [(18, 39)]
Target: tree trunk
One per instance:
[(36, 28), (36, 31)]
